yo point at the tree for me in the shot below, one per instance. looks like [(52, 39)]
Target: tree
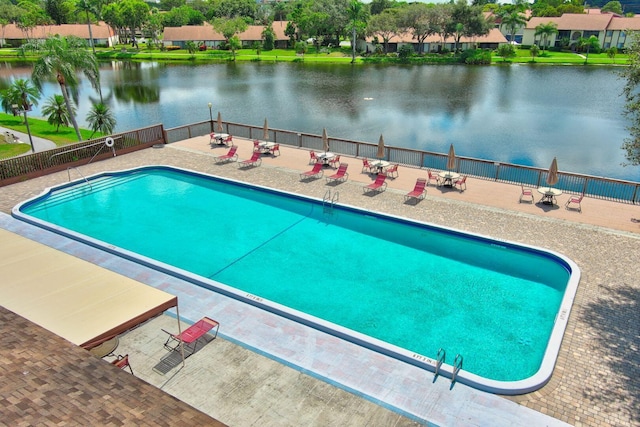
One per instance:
[(612, 52), (419, 19), (356, 23), (63, 58), (134, 13), (8, 13), (101, 119), (631, 74), (58, 11), (546, 30), (86, 7), (384, 25), (613, 7), (588, 44), (56, 111), (467, 21), (229, 27), (513, 22), (268, 38), (191, 46), (21, 94), (534, 51), (506, 51), (234, 44)]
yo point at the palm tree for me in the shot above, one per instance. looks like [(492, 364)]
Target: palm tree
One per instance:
[(546, 30), (590, 43), (513, 21), (56, 110), (101, 119), (19, 98), (87, 7), (63, 58), (354, 12)]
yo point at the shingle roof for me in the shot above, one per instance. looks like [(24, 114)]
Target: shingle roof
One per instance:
[(494, 36), (46, 380), (575, 21), (206, 32), (98, 31)]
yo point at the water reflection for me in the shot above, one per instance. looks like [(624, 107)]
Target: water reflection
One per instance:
[(518, 114)]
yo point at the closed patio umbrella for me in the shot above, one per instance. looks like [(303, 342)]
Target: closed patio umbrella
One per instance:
[(552, 176), (451, 158), (325, 140), (381, 152), (265, 130), (219, 122)]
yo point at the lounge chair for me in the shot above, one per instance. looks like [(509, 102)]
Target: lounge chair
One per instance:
[(526, 192), (462, 181), (315, 172), (576, 200), (433, 176), (379, 185), (341, 175), (255, 160), (313, 158), (392, 170), (122, 362), (366, 166), (418, 191), (191, 335), (231, 155)]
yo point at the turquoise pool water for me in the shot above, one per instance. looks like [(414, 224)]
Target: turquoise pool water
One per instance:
[(411, 285)]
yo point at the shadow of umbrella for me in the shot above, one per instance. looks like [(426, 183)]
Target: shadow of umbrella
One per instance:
[(325, 140), (451, 158), (265, 130), (219, 123), (381, 151), (552, 175)]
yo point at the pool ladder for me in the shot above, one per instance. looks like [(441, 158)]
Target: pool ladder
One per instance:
[(442, 356), (457, 365), (329, 202), (79, 173)]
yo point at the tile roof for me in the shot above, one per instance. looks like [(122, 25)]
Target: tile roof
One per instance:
[(206, 32), (98, 31), (575, 21), (494, 36)]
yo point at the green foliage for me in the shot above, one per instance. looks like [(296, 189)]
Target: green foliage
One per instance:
[(631, 74), (612, 52), (268, 38), (56, 111), (405, 51), (612, 6), (191, 46), (476, 57), (534, 51), (101, 119), (506, 51)]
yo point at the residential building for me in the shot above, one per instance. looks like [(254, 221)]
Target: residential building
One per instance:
[(103, 34)]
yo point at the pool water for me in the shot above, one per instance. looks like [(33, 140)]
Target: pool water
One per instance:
[(411, 285)]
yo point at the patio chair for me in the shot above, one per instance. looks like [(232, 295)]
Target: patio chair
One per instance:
[(366, 166), (433, 176), (122, 362), (191, 335), (334, 161), (392, 170), (255, 160), (231, 155), (460, 182), (575, 200), (526, 192), (418, 192), (313, 158), (228, 140), (341, 175), (379, 185), (273, 150), (256, 145), (212, 138), (315, 172)]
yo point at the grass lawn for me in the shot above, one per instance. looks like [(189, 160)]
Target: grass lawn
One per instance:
[(43, 129), (551, 57), (12, 150)]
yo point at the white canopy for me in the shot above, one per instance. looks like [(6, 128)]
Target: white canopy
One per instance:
[(79, 301)]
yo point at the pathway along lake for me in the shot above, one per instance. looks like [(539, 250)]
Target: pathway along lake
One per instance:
[(520, 114)]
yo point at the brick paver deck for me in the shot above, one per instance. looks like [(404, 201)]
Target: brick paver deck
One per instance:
[(597, 377)]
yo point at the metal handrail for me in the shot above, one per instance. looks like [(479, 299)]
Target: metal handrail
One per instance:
[(79, 173)]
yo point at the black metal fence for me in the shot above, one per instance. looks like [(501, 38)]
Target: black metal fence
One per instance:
[(591, 186)]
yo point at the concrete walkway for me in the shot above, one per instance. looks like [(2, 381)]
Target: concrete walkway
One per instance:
[(39, 144)]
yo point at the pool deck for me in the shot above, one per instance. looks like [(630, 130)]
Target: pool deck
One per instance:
[(315, 379)]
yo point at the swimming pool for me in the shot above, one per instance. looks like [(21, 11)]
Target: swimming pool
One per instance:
[(402, 288)]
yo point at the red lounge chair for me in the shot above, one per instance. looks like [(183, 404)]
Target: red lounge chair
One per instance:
[(379, 185), (526, 192), (418, 190), (574, 199), (231, 155), (366, 166), (335, 161), (275, 148), (433, 176), (462, 181), (316, 172), (392, 170), (255, 160), (313, 158), (341, 175), (191, 335), (123, 362)]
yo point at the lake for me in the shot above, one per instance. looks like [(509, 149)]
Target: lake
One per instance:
[(519, 114)]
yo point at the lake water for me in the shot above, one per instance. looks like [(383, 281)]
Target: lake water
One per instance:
[(518, 114)]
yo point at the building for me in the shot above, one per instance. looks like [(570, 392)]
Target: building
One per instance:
[(435, 43), (103, 34), (207, 35)]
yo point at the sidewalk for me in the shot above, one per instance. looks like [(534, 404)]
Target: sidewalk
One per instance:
[(39, 144)]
